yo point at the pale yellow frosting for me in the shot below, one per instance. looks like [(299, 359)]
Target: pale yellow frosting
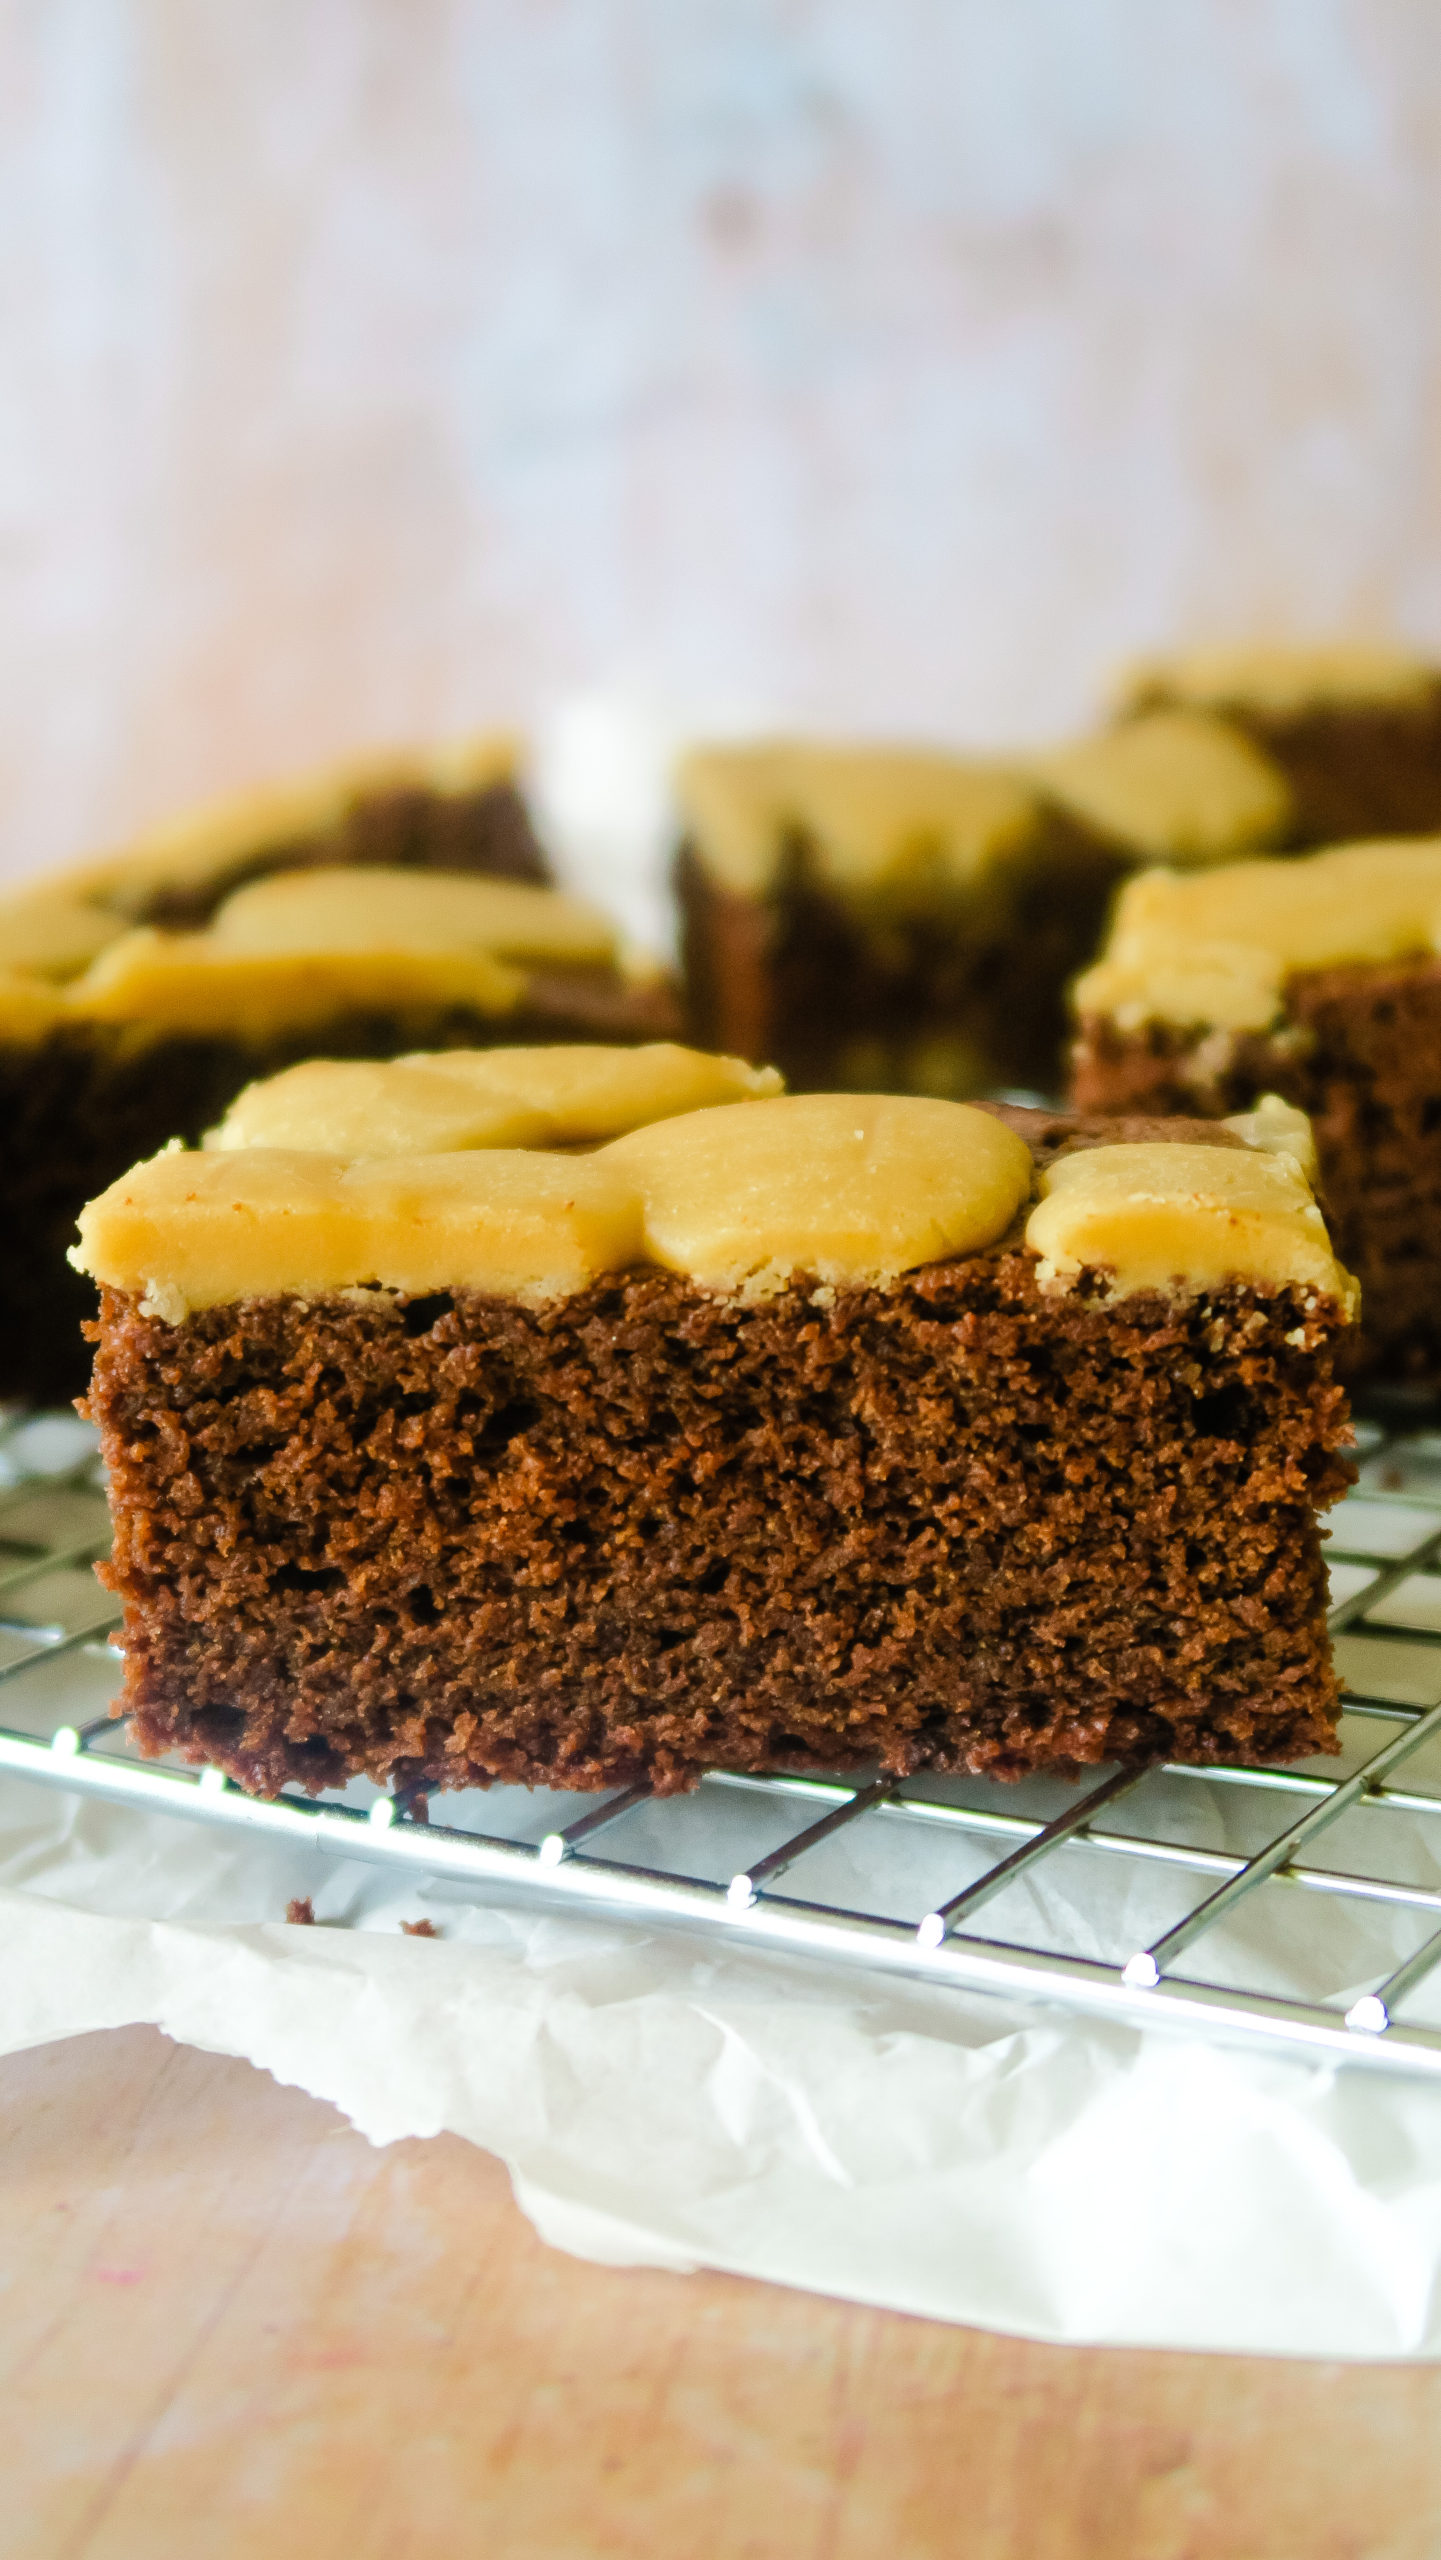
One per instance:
[(203, 844), (29, 1007), (1277, 1128), (290, 952), (847, 1190), (1217, 947), (48, 933), (1173, 786), (1286, 677), (1167, 1215), (872, 817), (851, 1188), (364, 1107), (196, 982), (368, 908), (483, 1098), (196, 1230)]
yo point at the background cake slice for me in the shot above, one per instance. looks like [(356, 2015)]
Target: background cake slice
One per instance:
[(821, 1431), (454, 806), (163, 1028), (1353, 726), (1318, 981), (888, 919)]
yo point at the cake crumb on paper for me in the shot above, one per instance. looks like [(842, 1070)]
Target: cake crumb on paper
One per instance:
[(300, 1912), (420, 1928)]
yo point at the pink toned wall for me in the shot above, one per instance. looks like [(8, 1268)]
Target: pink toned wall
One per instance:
[(369, 367)]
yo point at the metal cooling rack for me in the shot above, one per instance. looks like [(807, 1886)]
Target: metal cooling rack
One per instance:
[(967, 1847)]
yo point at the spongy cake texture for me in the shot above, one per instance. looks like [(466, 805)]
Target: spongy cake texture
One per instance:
[(951, 1521)]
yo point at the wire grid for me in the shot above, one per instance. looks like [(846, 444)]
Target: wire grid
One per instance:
[(618, 1855)]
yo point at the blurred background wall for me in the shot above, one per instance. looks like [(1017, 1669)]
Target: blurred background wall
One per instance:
[(373, 367)]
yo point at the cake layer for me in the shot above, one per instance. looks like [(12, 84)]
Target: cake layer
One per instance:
[(952, 1523), (848, 1190)]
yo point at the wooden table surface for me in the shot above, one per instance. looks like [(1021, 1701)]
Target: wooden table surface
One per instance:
[(228, 2327)]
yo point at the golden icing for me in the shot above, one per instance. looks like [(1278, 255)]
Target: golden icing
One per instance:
[(1167, 1215), (196, 1230), (29, 1007), (369, 908), (1173, 786), (870, 817), (49, 933), (483, 1098), (202, 845), (1285, 678), (1217, 947), (847, 1188), (1278, 1128), (362, 1107), (196, 982), (431, 1182)]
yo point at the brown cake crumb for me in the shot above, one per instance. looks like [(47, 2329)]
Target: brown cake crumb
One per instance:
[(420, 1929), (300, 1912), (957, 1523)]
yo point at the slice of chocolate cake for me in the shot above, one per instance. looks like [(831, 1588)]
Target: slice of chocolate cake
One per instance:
[(1353, 727), (1318, 981), (887, 919), (158, 1034), (452, 807), (812, 1431)]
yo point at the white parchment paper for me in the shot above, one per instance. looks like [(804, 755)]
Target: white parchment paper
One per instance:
[(662, 2102)]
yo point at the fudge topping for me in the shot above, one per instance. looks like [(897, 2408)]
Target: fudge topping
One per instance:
[(853, 1188), (1218, 947), (1286, 679), (483, 1098), (1173, 785), (868, 816), (1152, 1216)]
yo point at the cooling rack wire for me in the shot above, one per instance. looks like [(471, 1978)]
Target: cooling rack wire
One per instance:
[(1104, 1897)]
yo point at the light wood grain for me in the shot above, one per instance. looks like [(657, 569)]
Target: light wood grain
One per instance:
[(229, 2328)]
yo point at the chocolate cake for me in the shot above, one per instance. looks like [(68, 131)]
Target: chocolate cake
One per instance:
[(1353, 728), (804, 1431), (452, 807), (1318, 981), (879, 918), (157, 1034)]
